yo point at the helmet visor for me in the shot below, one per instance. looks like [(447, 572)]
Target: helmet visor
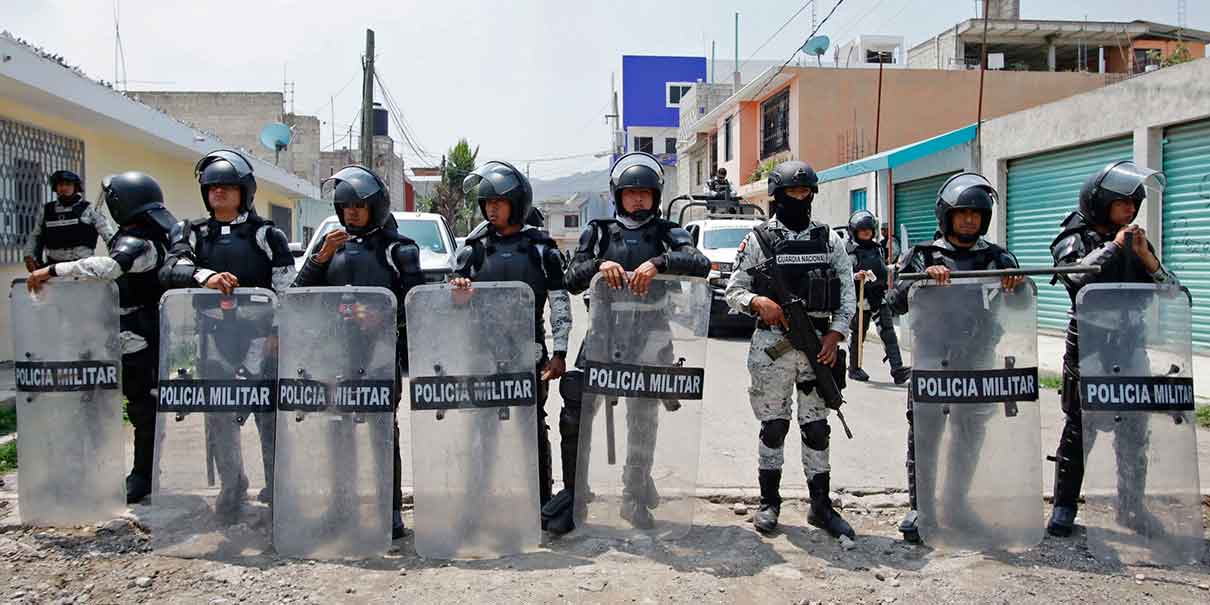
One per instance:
[(490, 180), (1125, 178), (237, 161), (636, 158), (953, 188), (363, 183)]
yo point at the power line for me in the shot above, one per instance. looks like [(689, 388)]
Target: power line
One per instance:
[(798, 12), (791, 57)]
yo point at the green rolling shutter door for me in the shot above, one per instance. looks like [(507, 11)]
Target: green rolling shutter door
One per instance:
[(915, 206), (1186, 218), (1042, 190)]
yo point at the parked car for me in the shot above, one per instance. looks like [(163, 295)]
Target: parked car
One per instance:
[(430, 232), (719, 239)]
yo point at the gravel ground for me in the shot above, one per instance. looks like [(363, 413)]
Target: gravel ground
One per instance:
[(721, 561)]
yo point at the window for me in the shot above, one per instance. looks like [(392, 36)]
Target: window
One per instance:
[(880, 56), (282, 217), (28, 155), (697, 173), (725, 238), (775, 124), (571, 221), (727, 140), (857, 200), (670, 145), (1144, 57), (643, 144), (674, 92)]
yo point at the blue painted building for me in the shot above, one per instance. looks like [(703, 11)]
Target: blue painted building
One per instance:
[(652, 88)]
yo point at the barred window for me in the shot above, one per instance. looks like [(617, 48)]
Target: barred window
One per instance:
[(775, 118), (28, 156)]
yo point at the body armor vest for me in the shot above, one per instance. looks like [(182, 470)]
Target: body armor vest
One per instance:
[(64, 228), (516, 258), (803, 266), (233, 249)]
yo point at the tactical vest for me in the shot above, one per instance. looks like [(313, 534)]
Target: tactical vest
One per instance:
[(233, 249), (961, 260), (142, 291), (362, 261), (804, 266), (631, 247), (515, 258), (63, 227)]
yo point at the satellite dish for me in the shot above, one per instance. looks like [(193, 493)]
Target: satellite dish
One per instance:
[(276, 136), (817, 46)]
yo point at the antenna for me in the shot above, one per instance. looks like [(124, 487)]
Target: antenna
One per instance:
[(276, 136), (119, 55), (1182, 16), (287, 90), (816, 47)]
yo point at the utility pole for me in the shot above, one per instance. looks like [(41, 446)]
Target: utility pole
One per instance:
[(367, 103), (615, 133), (736, 75), (332, 120)]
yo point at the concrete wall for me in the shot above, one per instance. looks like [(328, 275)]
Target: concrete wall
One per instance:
[(105, 154), (917, 104), (940, 52), (302, 158), (1140, 107)]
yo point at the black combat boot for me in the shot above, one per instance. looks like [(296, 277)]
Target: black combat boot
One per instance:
[(634, 495), (822, 515), (765, 519)]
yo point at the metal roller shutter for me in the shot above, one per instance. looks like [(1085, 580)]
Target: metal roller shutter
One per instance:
[(1186, 218), (1042, 190), (915, 206)]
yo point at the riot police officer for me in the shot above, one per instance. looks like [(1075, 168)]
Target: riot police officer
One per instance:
[(510, 247), (869, 266), (367, 251), (1100, 233), (232, 247), (964, 213), (67, 228), (814, 258), (628, 250), (136, 254)]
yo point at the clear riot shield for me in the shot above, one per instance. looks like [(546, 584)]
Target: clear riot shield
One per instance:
[(214, 431), (1141, 487), (68, 365), (336, 406), (974, 392), (474, 425), (644, 360)]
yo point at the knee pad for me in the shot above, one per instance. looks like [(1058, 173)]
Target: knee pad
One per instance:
[(773, 432), (815, 434), (571, 388)]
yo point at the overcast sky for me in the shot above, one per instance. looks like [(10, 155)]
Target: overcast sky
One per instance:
[(524, 79)]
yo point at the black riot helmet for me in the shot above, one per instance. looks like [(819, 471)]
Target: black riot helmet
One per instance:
[(1117, 181), (535, 218), (863, 219), (497, 179), (226, 167), (355, 185), (792, 173), (636, 170), (965, 191), (66, 176), (134, 197)]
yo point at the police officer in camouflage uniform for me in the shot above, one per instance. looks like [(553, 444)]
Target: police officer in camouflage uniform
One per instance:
[(815, 255), (136, 253), (964, 213), (508, 247), (368, 250), (628, 251), (232, 248), (67, 228), (869, 265)]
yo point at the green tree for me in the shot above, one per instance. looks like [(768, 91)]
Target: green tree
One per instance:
[(448, 199)]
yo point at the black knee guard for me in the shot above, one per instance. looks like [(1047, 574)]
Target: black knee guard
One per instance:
[(815, 434), (773, 432)]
